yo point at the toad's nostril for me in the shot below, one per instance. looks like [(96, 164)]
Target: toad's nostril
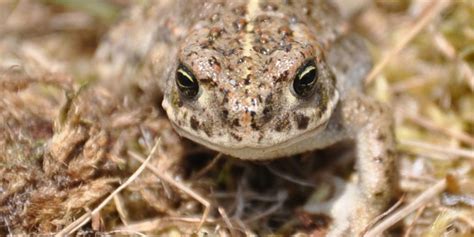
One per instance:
[(253, 114)]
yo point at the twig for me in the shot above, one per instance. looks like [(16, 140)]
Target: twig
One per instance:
[(165, 177), (282, 196), (239, 200), (432, 11), (289, 178), (410, 83), (160, 222), (9, 230), (439, 149), (120, 206), (421, 200), (226, 219), (383, 215), (124, 233), (71, 228), (412, 225), (428, 124), (467, 73), (208, 166)]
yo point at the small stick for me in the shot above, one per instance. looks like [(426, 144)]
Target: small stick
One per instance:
[(159, 222), (208, 166), (282, 196), (125, 233), (412, 225), (165, 177), (227, 221), (432, 11), (439, 148), (421, 200), (74, 226), (383, 215), (430, 125), (410, 83), (120, 206), (290, 178)]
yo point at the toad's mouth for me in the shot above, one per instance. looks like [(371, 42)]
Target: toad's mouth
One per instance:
[(249, 147), (260, 151)]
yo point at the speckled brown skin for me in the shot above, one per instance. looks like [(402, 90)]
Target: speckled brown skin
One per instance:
[(245, 55)]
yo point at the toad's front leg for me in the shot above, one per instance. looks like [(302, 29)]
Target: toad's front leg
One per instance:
[(376, 163)]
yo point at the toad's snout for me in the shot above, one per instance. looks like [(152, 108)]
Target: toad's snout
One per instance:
[(251, 113)]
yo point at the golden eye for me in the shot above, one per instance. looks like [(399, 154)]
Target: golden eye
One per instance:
[(305, 79), (186, 82)]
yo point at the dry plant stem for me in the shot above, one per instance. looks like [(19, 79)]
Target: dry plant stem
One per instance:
[(125, 233), (165, 177), (409, 83), (239, 201), (439, 149), (383, 215), (468, 72), (433, 10), (428, 124), (282, 196), (120, 206), (462, 216), (227, 221), (224, 215), (71, 228), (289, 177), (244, 228), (450, 52), (156, 223), (421, 200), (443, 45), (208, 166), (468, 219), (417, 216), (7, 224)]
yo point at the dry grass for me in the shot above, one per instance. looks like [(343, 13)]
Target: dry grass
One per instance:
[(67, 141)]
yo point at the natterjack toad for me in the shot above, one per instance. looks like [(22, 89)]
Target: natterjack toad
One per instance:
[(262, 79)]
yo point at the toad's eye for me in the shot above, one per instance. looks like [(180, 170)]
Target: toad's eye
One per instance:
[(305, 79), (186, 82)]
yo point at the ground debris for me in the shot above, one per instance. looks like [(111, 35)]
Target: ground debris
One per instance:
[(67, 137)]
